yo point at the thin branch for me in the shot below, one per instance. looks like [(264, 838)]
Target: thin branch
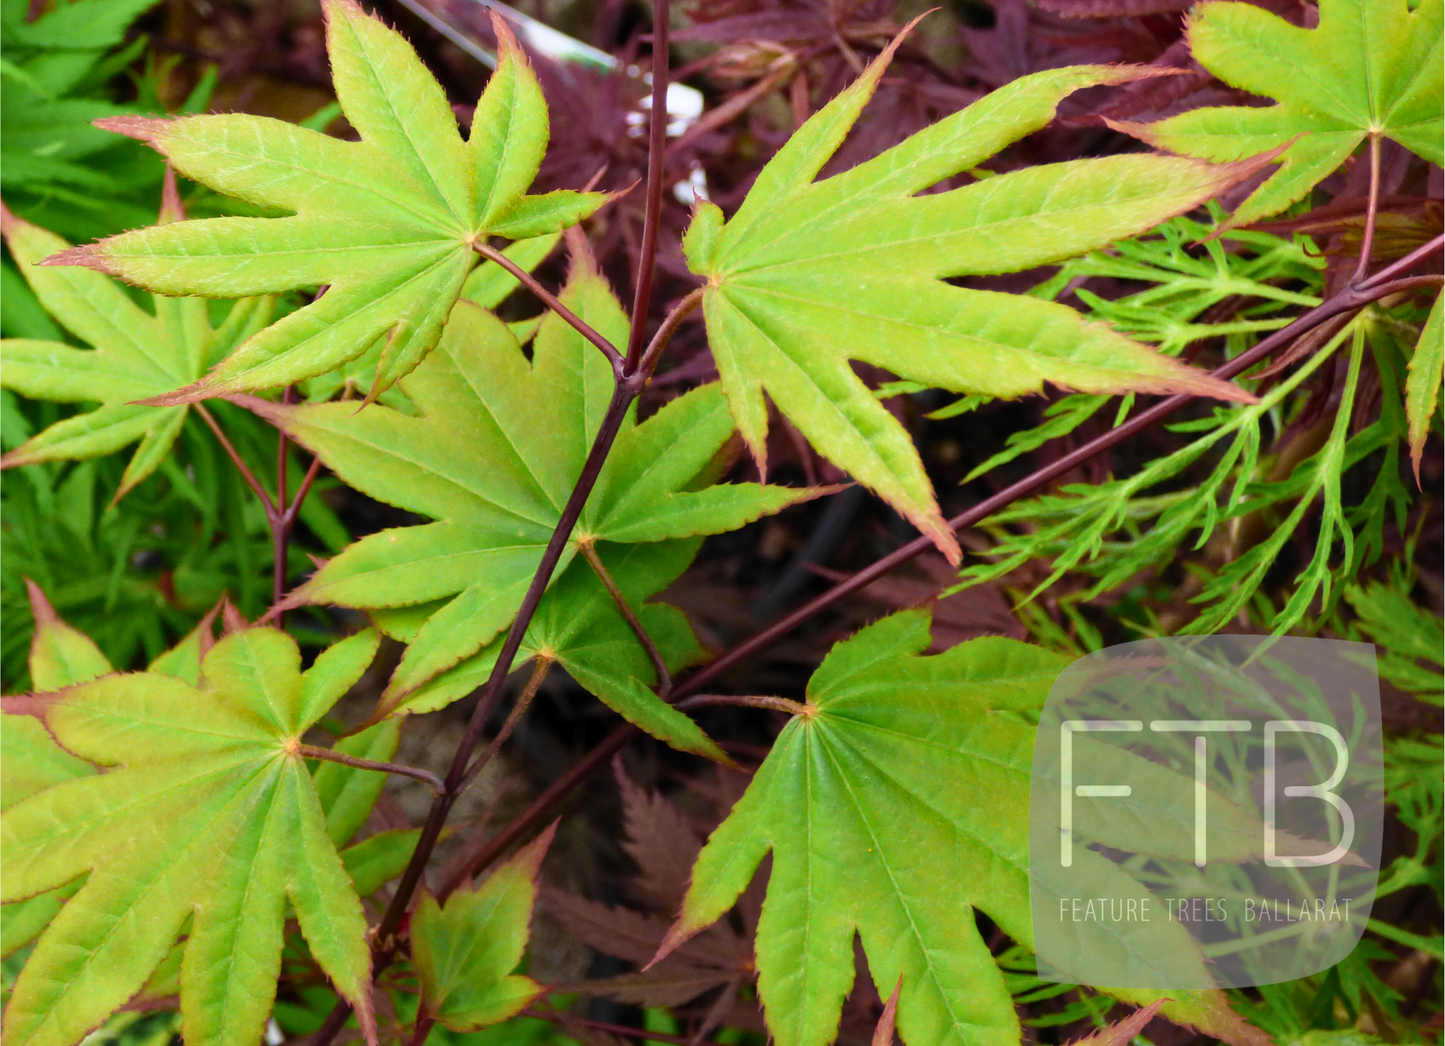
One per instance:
[(426, 777), (550, 300), (665, 332), (241, 467), (280, 528), (664, 677), (422, 1030), (294, 509), (1367, 242), (580, 771), (524, 699), (616, 1029), (384, 939), (1406, 263), (776, 704), (656, 168)]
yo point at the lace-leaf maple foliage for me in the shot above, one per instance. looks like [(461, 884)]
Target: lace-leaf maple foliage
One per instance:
[(808, 276), (387, 224)]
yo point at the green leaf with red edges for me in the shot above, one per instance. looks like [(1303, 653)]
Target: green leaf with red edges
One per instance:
[(810, 276), (135, 355), (466, 949), (206, 816), (1422, 387), (387, 223), (1371, 67)]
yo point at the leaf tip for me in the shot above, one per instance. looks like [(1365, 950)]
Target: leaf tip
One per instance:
[(883, 1033), (148, 129), (172, 210), (88, 256), (232, 620), (40, 608), (508, 49)]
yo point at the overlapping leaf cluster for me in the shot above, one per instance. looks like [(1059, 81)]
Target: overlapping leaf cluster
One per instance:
[(166, 830)]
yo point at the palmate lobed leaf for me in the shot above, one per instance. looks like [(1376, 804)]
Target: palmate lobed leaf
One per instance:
[(808, 276), (578, 627), (1422, 387), (135, 356), (1372, 67), (206, 816), (387, 224), (492, 454), (895, 804), (466, 949)]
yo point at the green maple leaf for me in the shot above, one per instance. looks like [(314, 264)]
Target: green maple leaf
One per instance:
[(465, 951), (31, 761), (488, 286), (1372, 68), (578, 627), (808, 276), (894, 803), (1422, 387), (136, 356), (387, 223), (492, 456), (207, 817)]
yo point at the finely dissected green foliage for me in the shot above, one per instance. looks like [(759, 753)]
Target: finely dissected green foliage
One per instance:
[(1173, 313), (1371, 68), (137, 574), (1114, 530), (136, 355), (491, 453), (55, 70), (387, 223), (810, 275), (209, 816), (465, 950), (894, 802)]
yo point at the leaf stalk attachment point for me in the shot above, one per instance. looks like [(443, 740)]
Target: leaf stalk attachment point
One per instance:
[(330, 755)]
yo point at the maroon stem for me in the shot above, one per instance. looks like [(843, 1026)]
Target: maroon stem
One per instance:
[(280, 521), (656, 169), (1352, 298), (626, 389), (330, 755), (524, 699), (664, 677), (550, 300), (776, 704), (615, 1029), (422, 1030), (1367, 241), (241, 467), (279, 529)]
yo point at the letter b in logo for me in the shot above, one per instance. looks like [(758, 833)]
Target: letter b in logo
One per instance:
[(1206, 812)]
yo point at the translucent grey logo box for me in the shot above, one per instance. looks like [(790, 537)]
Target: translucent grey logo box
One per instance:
[(1206, 812)]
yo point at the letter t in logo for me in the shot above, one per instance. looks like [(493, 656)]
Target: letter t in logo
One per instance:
[(1201, 767)]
